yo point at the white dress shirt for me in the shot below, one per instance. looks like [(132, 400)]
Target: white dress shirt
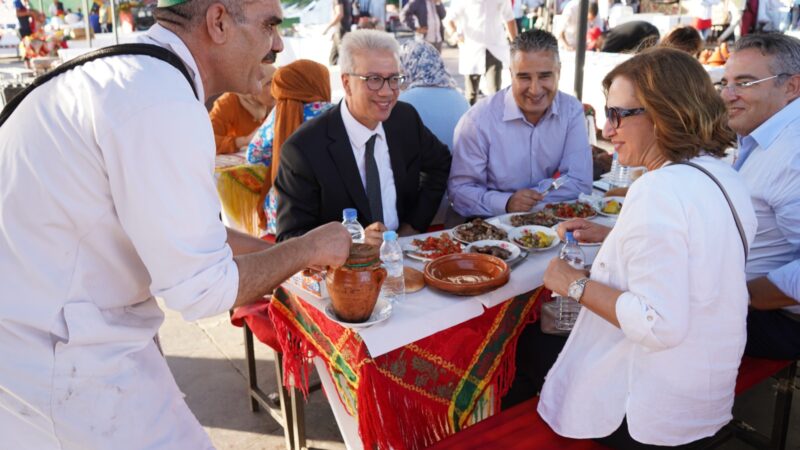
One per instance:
[(359, 135), (671, 368), (107, 200), (770, 164), (482, 23)]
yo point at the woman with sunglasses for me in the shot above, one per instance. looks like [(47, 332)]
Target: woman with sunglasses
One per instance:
[(653, 357)]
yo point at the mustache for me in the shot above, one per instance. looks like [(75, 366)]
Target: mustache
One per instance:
[(270, 57)]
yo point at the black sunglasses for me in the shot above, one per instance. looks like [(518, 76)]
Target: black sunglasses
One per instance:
[(615, 115)]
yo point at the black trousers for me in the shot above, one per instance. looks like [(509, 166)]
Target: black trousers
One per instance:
[(772, 335), (536, 353), (494, 70)]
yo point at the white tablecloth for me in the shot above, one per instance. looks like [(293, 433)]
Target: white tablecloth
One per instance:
[(429, 311)]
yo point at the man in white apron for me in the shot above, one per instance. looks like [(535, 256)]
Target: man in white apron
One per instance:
[(483, 43), (107, 200)]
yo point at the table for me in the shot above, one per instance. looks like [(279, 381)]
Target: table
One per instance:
[(448, 360)]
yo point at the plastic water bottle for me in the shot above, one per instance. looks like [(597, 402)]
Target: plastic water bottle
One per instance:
[(620, 175), (394, 287), (350, 216), (568, 308)]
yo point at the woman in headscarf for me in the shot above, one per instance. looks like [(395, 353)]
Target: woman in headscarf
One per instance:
[(236, 117), (302, 91), (431, 90)]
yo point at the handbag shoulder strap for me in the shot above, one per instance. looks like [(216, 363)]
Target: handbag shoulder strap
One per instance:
[(154, 51), (730, 203)]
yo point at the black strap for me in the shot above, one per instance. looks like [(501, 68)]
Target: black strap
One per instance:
[(115, 50), (730, 203)]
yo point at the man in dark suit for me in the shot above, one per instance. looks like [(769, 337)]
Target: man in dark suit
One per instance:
[(369, 152), (429, 15)]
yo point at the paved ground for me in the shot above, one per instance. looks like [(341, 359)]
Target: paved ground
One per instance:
[(207, 359)]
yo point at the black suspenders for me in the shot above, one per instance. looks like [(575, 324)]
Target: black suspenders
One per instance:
[(115, 50)]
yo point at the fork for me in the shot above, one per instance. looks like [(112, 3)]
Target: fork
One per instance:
[(557, 183)]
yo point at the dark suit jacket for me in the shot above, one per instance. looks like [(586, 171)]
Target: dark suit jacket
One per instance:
[(419, 9), (318, 176)]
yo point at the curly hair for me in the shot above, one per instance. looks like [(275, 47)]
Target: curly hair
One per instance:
[(689, 115)]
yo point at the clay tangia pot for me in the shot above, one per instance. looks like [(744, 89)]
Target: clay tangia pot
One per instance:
[(354, 287)]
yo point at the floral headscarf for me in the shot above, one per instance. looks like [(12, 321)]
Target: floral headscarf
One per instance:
[(423, 66)]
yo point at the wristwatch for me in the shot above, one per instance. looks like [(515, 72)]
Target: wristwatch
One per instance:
[(576, 288)]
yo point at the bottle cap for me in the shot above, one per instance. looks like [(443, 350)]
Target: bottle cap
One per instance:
[(389, 236), (349, 214), (570, 237)]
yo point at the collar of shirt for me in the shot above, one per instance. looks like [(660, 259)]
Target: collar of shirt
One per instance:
[(766, 133), (511, 110), (171, 41), (358, 133)]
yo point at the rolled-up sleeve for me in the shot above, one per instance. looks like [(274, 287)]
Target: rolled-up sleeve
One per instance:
[(654, 311), (467, 186), (161, 179)]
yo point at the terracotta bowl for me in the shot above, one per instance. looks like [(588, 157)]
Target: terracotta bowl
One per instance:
[(466, 273)]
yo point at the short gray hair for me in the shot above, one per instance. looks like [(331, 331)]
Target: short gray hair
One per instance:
[(784, 49), (535, 40), (361, 40), (188, 14)]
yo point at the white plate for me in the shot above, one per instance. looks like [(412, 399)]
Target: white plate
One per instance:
[(585, 244), (413, 252), (382, 311), (569, 218), (504, 221), (513, 248), (603, 203), (457, 231), (516, 233)]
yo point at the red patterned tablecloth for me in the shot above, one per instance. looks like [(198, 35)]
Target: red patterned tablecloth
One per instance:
[(415, 395)]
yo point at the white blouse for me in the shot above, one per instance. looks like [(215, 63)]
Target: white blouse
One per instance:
[(671, 368)]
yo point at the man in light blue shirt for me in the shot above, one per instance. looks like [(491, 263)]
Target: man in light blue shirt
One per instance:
[(509, 147), (761, 87)]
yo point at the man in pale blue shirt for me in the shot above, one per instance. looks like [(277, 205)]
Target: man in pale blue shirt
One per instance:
[(761, 87), (509, 147)]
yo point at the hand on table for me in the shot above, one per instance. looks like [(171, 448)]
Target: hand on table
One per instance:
[(583, 230), (373, 234), (523, 200), (559, 275), (328, 245), (422, 30)]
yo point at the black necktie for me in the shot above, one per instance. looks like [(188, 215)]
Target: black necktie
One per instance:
[(373, 181)]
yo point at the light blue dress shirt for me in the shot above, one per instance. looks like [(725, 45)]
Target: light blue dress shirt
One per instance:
[(496, 152), (440, 109), (769, 161)]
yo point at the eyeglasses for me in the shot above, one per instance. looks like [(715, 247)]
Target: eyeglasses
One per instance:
[(375, 82), (736, 87), (615, 115)]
